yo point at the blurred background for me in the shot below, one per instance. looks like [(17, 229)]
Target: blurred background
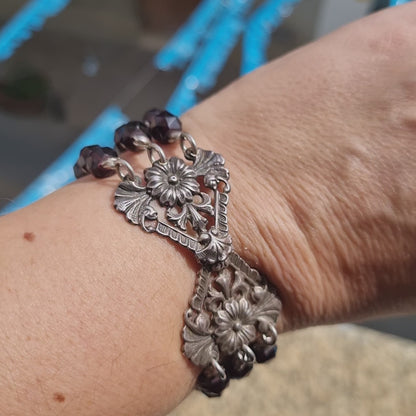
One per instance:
[(98, 52)]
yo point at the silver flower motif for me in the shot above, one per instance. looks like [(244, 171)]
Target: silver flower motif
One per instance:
[(199, 345), (235, 325), (267, 306), (172, 183)]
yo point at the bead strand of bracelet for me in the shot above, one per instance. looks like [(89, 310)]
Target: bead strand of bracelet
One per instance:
[(158, 126)]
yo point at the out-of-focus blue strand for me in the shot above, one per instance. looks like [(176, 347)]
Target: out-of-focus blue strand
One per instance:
[(182, 46), (260, 27), (29, 18), (398, 2), (216, 30), (203, 71), (60, 172)]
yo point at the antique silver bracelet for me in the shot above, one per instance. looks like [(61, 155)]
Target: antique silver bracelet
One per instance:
[(231, 321)]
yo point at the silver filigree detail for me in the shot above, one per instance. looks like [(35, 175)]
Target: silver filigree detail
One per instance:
[(183, 212), (210, 165), (242, 312), (192, 212), (131, 197), (233, 313)]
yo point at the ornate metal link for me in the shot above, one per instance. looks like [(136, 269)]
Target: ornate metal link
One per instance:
[(151, 149), (121, 165), (190, 151), (141, 143)]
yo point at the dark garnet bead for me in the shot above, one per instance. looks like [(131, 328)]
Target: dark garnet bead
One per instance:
[(98, 156), (91, 159), (210, 383), (264, 352), (79, 171), (237, 367), (129, 135), (162, 125), (80, 168)]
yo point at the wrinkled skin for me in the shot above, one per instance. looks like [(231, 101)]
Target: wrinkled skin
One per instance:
[(322, 153)]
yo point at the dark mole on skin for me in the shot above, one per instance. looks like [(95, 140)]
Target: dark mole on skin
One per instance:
[(29, 236), (59, 397)]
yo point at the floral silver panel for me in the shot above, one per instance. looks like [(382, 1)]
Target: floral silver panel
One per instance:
[(233, 312)]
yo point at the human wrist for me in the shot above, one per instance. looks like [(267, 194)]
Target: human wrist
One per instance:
[(298, 211)]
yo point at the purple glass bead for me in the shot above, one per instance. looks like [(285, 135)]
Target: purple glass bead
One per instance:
[(91, 159), (264, 352), (98, 156), (129, 135), (210, 383), (80, 167), (236, 367), (162, 125), (79, 171)]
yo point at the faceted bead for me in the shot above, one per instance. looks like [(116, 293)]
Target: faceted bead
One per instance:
[(162, 125), (210, 383), (80, 167), (264, 352), (79, 172), (91, 159), (238, 368), (129, 135), (98, 157)]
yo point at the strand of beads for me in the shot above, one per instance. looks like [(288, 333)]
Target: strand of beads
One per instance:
[(156, 126)]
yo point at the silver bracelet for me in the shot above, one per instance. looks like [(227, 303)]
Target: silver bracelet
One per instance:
[(231, 321)]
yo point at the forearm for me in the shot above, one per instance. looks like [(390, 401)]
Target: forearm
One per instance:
[(91, 310)]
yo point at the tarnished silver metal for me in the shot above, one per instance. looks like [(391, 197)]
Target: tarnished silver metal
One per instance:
[(153, 148), (233, 312), (124, 170), (191, 150), (247, 354), (270, 336), (230, 311), (220, 370), (111, 162), (122, 167), (141, 142), (172, 184)]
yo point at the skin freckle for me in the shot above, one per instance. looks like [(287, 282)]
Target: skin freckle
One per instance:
[(59, 397), (29, 236)]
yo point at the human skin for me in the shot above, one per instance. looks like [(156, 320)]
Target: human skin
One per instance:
[(322, 153)]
